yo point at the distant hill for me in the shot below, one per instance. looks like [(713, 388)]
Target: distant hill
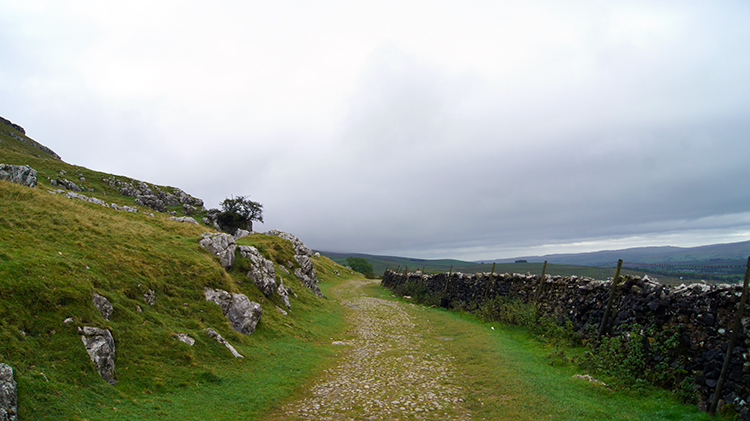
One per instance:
[(380, 263), (730, 253), (717, 262)]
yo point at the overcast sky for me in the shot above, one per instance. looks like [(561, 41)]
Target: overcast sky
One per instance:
[(464, 129)]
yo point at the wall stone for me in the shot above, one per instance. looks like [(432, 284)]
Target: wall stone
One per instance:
[(702, 314)]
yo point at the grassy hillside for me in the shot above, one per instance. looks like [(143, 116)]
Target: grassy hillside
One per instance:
[(56, 252), (380, 263)]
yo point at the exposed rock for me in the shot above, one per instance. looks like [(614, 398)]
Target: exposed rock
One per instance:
[(221, 245), (241, 233), (188, 209), (243, 314), (26, 139), (299, 247), (8, 394), (183, 337), (103, 305), (123, 208), (282, 311), (306, 272), (261, 270), (154, 197), (78, 196), (212, 219), (186, 199), (187, 219), (68, 320), (150, 297), (284, 293), (18, 174), (11, 124), (589, 379), (219, 297), (101, 348), (214, 334), (150, 201), (66, 184)]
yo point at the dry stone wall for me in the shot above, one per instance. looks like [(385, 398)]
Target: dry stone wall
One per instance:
[(702, 314)]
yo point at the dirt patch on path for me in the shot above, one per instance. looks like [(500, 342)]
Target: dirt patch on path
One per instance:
[(390, 372)]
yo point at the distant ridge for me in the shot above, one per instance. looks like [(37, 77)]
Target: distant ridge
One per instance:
[(19, 133), (714, 253)]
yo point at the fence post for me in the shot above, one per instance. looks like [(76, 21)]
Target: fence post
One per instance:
[(489, 281), (607, 312), (732, 340), (448, 281), (540, 287)]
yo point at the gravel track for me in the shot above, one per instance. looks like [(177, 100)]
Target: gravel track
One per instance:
[(395, 369)]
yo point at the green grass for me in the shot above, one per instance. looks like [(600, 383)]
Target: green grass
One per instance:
[(510, 375), (55, 252)]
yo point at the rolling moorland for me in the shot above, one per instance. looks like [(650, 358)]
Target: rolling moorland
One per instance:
[(673, 265), (57, 254)]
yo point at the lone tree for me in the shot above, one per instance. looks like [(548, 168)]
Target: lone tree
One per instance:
[(239, 213), (361, 265)]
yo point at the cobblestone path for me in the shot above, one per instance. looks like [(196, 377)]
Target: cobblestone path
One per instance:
[(394, 369)]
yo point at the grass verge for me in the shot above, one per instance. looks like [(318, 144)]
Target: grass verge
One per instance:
[(511, 375)]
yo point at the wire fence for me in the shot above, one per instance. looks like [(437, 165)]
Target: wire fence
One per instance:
[(724, 271), (665, 273)]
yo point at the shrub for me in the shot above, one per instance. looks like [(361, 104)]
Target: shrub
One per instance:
[(239, 212)]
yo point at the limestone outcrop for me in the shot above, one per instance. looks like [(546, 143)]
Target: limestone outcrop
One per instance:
[(243, 314), (214, 334), (154, 197), (184, 338), (221, 245), (261, 270), (25, 139), (8, 394), (65, 183), (100, 345), (306, 272), (185, 219), (19, 174), (103, 305)]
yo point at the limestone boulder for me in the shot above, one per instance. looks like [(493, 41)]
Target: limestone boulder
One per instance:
[(261, 270), (243, 314), (184, 338), (103, 305), (65, 183), (241, 233), (8, 394), (185, 219), (220, 339), (19, 174), (221, 245), (100, 345), (306, 272), (284, 293), (150, 201), (299, 247)]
